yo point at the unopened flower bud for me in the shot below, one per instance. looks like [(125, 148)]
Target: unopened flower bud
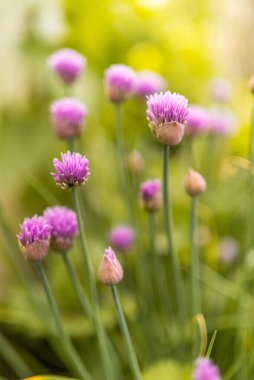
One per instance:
[(194, 183), (135, 162), (110, 270)]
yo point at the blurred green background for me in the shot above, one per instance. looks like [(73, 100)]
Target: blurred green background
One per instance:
[(188, 42)]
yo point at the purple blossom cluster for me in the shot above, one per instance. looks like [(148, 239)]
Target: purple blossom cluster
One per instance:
[(197, 121), (148, 83), (64, 227), (67, 116), (68, 64), (34, 238), (71, 171), (150, 195), (206, 370), (166, 108), (122, 238), (149, 189), (120, 82), (56, 228)]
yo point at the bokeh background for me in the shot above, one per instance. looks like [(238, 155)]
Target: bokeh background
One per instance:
[(189, 43)]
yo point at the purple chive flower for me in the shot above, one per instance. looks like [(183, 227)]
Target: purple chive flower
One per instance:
[(148, 83), (64, 227), (220, 89), (197, 121), (122, 238), (150, 195), (120, 81), (68, 64), (110, 270), (166, 114), (34, 238), (206, 370), (221, 122), (67, 116), (71, 171)]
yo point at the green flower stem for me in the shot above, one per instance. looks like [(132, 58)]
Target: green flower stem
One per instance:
[(125, 332), (158, 268), (103, 344), (174, 263), (195, 270), (77, 286), (71, 144), (13, 358), (63, 335)]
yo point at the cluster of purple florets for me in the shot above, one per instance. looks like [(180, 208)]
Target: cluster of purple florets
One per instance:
[(166, 107), (57, 227)]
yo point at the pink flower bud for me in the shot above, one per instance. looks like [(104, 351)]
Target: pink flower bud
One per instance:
[(135, 162), (194, 183), (110, 270)]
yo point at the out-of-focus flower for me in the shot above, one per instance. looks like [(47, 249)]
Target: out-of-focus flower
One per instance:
[(148, 83), (166, 114), (197, 121), (150, 195), (110, 270), (220, 89), (64, 227), (71, 171), (206, 370), (122, 238), (120, 82), (251, 83), (68, 64), (34, 238), (135, 162), (194, 183), (229, 250), (221, 122), (67, 116)]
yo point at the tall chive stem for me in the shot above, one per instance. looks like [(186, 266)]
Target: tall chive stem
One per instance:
[(63, 335), (13, 358), (121, 151), (195, 271), (71, 144), (174, 263), (158, 267), (77, 286), (247, 244), (103, 344), (126, 335)]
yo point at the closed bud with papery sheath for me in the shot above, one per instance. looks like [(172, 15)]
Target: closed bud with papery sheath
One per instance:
[(110, 270), (166, 114), (194, 183), (150, 195), (64, 227), (135, 162), (34, 238)]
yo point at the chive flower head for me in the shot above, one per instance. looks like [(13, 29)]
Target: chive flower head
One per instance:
[(71, 171)]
